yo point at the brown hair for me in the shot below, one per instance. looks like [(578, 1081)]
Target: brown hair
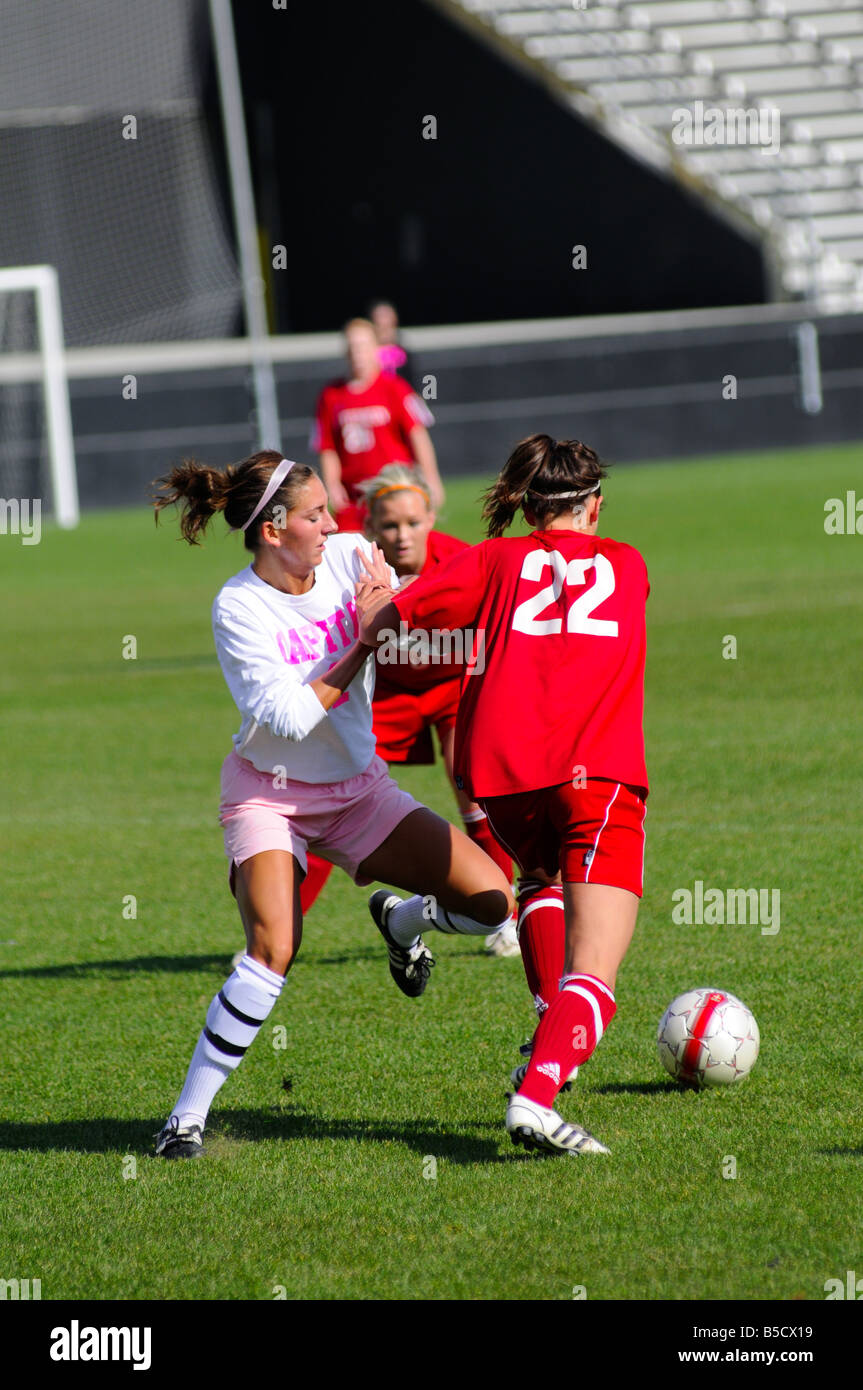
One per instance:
[(236, 491), (537, 467)]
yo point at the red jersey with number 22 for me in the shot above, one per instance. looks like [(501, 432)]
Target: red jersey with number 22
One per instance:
[(557, 689)]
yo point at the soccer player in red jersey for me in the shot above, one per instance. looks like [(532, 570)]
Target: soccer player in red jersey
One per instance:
[(549, 741), (365, 421), (411, 699)]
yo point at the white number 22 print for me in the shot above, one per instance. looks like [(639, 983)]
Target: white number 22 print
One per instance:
[(578, 619)]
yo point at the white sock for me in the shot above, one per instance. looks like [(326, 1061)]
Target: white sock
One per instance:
[(233, 1020), (417, 915)]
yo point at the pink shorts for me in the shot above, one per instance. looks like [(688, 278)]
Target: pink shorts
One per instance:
[(343, 822)]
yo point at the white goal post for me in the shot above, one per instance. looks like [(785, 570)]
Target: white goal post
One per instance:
[(50, 370)]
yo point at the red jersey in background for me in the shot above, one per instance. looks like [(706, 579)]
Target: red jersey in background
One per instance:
[(368, 429)]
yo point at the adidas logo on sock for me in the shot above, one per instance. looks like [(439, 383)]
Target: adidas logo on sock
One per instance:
[(551, 1070)]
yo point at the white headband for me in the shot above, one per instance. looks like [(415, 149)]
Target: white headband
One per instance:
[(277, 477), (557, 496)]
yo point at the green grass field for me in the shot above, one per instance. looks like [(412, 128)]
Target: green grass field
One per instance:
[(318, 1179)]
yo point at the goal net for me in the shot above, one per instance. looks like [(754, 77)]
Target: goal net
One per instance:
[(36, 452), (107, 167)]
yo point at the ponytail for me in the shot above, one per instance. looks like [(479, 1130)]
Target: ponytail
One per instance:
[(551, 477), (236, 490)]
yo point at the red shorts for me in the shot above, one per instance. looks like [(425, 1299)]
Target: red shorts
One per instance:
[(402, 721), (591, 834)]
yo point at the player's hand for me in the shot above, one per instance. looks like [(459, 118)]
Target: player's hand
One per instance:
[(373, 591), (377, 571), (370, 598)]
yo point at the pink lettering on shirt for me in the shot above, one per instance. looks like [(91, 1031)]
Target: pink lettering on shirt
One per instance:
[(324, 625), (303, 644)]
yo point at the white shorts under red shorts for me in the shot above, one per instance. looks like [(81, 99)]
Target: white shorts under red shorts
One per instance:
[(343, 822), (590, 834), (403, 719)]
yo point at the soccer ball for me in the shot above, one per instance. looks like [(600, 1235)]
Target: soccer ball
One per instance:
[(707, 1037)]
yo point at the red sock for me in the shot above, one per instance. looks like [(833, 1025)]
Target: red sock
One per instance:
[(479, 830), (541, 936), (317, 874), (567, 1034)]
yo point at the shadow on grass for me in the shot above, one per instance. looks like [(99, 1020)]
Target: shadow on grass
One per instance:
[(842, 1153), (143, 965), (349, 956), (637, 1088), (147, 965), (113, 1136)]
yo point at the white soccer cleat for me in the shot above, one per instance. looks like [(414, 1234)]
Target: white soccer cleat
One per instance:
[(504, 941), (538, 1128)]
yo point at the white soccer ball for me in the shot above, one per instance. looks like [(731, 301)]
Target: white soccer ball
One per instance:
[(707, 1037)]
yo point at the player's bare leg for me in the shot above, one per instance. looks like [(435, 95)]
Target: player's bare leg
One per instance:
[(268, 895), (267, 888), (455, 885), (426, 855), (600, 923)]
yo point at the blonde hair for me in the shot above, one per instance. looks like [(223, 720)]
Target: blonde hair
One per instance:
[(395, 477)]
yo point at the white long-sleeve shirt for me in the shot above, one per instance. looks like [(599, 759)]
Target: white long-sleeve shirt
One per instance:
[(271, 645)]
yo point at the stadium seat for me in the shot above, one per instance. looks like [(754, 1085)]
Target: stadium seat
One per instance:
[(628, 66)]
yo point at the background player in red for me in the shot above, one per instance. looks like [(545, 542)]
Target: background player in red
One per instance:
[(365, 421), (549, 739), (410, 700)]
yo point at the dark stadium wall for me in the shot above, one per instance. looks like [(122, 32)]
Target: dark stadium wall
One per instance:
[(476, 224)]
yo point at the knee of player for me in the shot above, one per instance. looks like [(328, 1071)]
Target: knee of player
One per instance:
[(493, 906), (275, 956)]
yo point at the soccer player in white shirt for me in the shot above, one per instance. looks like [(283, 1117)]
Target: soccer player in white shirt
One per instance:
[(289, 633)]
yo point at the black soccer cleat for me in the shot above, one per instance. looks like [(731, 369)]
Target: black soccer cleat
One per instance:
[(409, 967), (173, 1142)]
